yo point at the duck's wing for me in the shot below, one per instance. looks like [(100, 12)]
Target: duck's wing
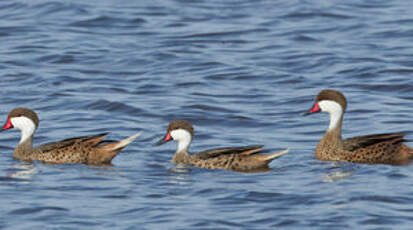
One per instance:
[(84, 140), (244, 150), (355, 143)]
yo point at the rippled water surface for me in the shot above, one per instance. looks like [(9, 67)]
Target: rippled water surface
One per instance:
[(242, 72)]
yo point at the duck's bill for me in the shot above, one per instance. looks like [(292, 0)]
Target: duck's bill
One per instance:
[(7, 126), (306, 113), (314, 109), (161, 142), (165, 139)]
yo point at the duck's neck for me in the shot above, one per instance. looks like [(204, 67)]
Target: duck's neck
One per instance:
[(334, 134), (182, 155), (183, 145), (27, 133), (336, 119), (24, 149), (332, 138), (27, 128)]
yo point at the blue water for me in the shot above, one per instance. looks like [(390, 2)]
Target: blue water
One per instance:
[(241, 71)]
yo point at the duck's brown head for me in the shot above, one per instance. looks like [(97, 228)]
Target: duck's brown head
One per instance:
[(178, 130), (328, 100), (21, 118)]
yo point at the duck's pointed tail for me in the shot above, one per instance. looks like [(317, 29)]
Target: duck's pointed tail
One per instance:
[(272, 156), (119, 145), (108, 150)]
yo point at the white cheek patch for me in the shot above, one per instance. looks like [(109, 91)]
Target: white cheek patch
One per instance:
[(183, 137), (330, 106), (334, 109), (180, 134), (24, 124)]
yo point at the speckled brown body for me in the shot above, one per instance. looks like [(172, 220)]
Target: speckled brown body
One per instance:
[(84, 150), (374, 149), (246, 158), (239, 159)]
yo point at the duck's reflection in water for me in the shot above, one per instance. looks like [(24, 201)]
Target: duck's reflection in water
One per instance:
[(179, 174), (340, 171), (24, 171)]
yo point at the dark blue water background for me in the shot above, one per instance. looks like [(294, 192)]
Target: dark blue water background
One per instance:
[(241, 71)]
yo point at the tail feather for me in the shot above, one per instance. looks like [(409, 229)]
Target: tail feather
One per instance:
[(106, 152), (252, 151), (272, 156), (94, 140), (118, 145)]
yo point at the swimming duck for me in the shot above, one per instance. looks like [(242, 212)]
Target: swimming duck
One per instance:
[(85, 149), (385, 148), (246, 158)]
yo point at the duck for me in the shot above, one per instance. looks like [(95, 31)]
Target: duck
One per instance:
[(91, 150), (385, 148), (245, 158)]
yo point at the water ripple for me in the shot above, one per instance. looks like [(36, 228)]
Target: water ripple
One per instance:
[(242, 72)]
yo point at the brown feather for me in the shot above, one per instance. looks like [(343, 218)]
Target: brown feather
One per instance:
[(245, 150)]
